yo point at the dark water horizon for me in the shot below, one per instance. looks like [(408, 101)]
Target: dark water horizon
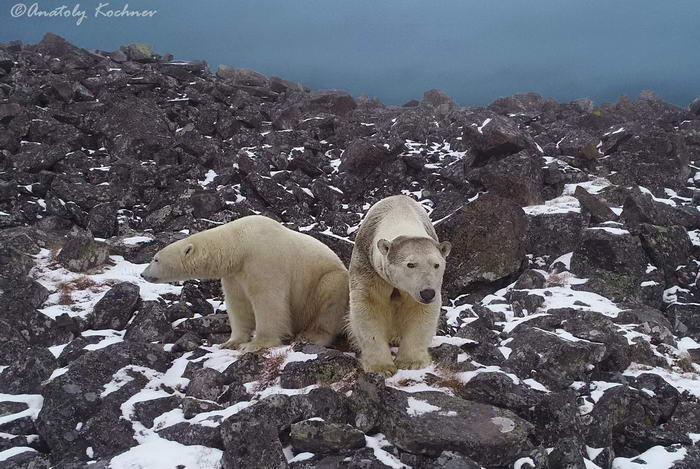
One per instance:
[(394, 50)]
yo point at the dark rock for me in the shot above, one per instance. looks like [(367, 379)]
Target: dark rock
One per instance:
[(560, 361), (530, 279), (116, 307), (318, 436), (206, 384), (516, 177), (476, 256), (494, 137), (81, 252), (251, 444), (102, 220), (147, 411), (489, 435), (26, 375), (192, 407), (553, 233), (327, 368), (195, 300), (193, 434), (615, 259), (685, 319), (150, 324), (363, 156), (598, 210), (74, 396), (499, 390), (667, 247)]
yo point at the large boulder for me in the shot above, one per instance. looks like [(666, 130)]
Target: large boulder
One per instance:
[(429, 423), (116, 307), (487, 242), (518, 177), (81, 252), (363, 156), (613, 260), (492, 137)]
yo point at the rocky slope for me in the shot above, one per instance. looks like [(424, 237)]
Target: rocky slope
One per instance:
[(571, 333)]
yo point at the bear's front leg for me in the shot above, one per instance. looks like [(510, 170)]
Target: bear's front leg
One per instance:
[(417, 334), (368, 328), (240, 314), (272, 321)]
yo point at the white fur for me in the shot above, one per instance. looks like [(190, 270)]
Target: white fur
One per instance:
[(276, 282), (396, 257)]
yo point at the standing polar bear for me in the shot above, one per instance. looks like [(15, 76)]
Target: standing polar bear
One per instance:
[(396, 274), (276, 282)]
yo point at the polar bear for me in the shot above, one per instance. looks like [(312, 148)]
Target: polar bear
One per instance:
[(396, 272), (276, 282)]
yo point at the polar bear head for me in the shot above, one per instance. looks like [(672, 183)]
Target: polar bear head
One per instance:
[(176, 262), (415, 265)]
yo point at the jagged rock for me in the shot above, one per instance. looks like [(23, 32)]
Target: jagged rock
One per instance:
[(494, 137), (598, 210), (116, 307), (192, 296), (667, 247), (499, 390), (685, 319), (74, 396), (193, 434), (81, 252), (553, 233), (487, 242), (614, 258), (640, 207), (26, 375), (559, 362), (327, 368), (206, 383), (317, 436), (147, 411), (517, 177), (363, 156), (102, 220), (487, 434), (150, 324)]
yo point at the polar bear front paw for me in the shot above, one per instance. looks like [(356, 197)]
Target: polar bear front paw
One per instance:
[(256, 345), (413, 363), (233, 344), (384, 369)]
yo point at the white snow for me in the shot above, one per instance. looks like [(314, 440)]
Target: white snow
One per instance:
[(656, 457), (417, 407), (134, 240), (33, 401), (611, 230), (683, 381), (165, 454), (11, 452), (376, 442), (563, 204)]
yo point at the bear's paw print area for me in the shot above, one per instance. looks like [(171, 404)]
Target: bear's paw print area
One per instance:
[(565, 332)]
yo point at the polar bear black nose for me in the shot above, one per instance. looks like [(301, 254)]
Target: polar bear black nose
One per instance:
[(427, 295)]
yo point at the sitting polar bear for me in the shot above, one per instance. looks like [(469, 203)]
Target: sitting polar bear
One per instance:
[(276, 282), (396, 274)]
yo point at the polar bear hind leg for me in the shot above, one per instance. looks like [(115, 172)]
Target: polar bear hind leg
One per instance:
[(330, 309)]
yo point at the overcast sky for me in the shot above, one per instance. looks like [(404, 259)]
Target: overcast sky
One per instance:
[(475, 51)]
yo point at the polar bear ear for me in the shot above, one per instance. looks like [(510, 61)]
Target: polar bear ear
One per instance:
[(445, 247), (383, 245), (188, 249)]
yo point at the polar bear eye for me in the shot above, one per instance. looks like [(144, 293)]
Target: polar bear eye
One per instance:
[(437, 266), (155, 260), (410, 265)]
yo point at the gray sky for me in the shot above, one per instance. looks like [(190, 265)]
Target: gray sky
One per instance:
[(475, 51)]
